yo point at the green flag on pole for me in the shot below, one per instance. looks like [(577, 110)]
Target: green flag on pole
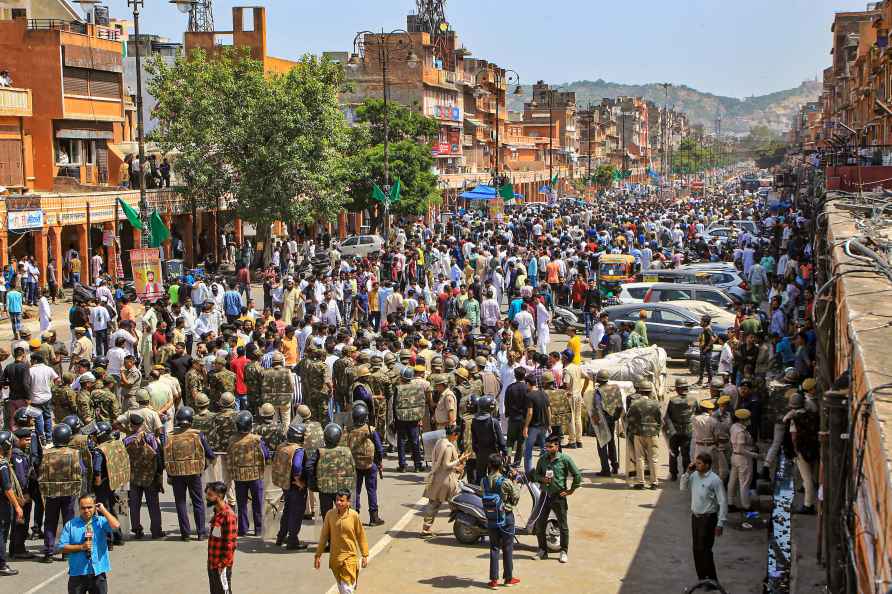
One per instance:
[(395, 192), (506, 191), (378, 193), (616, 175), (160, 232), (131, 214), (554, 180)]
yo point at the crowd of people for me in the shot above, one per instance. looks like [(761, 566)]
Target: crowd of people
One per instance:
[(296, 399)]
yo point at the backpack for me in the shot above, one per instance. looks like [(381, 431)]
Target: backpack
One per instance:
[(493, 504)]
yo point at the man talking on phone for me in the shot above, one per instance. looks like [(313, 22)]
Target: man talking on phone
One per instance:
[(552, 471), (84, 542)]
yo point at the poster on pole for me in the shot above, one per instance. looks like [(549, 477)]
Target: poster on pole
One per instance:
[(147, 278)]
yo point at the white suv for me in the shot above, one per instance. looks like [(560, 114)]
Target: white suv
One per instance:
[(361, 245)]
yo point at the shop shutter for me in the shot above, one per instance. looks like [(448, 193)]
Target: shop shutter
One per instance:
[(105, 84), (102, 161), (75, 81)]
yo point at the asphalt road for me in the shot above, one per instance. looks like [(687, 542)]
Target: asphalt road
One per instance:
[(622, 540)]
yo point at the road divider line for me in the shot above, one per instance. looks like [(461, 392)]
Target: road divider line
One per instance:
[(46, 582), (385, 540)]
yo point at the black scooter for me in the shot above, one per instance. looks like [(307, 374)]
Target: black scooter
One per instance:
[(469, 520)]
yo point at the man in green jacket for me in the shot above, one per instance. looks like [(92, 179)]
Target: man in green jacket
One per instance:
[(552, 471)]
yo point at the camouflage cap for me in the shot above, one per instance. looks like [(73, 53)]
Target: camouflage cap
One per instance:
[(267, 410), (142, 395), (227, 400), (439, 379), (644, 386), (603, 376), (389, 358), (405, 354), (376, 360), (348, 350), (220, 361), (548, 378), (202, 400), (361, 371), (304, 411), (363, 357), (682, 383), (480, 361), (278, 358), (716, 384)]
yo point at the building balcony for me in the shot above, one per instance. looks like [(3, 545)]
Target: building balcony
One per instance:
[(76, 27), (15, 102)]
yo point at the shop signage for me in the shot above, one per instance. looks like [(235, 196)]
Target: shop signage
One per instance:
[(20, 220)]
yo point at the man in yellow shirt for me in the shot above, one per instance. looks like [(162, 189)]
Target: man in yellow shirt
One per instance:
[(574, 343), (342, 530)]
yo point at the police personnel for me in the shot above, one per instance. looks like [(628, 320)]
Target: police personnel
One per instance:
[(607, 403), (221, 434), (84, 445), (332, 468), (26, 474), (723, 417), (743, 453), (644, 416), (289, 473), (313, 440), (11, 499), (408, 411), (558, 406), (677, 423), (278, 388), (111, 470), (368, 454), (269, 427), (247, 457), (145, 475), (185, 455), (703, 427), (61, 473)]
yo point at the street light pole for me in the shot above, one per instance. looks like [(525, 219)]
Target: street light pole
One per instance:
[(382, 40), (146, 235)]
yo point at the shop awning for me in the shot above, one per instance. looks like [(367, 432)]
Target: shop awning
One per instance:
[(81, 134), (483, 192)]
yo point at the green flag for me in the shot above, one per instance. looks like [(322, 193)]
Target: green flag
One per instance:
[(131, 214), (395, 192), (554, 180), (160, 233), (506, 191), (378, 194), (616, 175)]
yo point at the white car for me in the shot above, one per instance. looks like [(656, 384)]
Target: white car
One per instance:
[(361, 245), (633, 292)]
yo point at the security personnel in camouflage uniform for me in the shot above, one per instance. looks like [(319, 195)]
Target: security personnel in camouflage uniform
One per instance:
[(379, 382), (365, 445), (342, 377), (220, 381), (61, 475), (111, 470), (449, 365), (196, 382), (105, 403), (558, 405), (474, 379), (64, 397), (84, 401), (408, 410), (677, 424), (607, 403), (316, 383), (203, 420), (313, 440), (254, 380), (84, 445), (645, 417), (247, 458), (185, 455), (269, 428), (361, 391), (278, 388), (289, 473), (332, 469), (145, 475), (221, 434)]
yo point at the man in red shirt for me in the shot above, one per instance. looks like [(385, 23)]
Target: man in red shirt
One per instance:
[(237, 365), (222, 539)]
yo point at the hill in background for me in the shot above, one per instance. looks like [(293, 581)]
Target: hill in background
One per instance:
[(774, 110)]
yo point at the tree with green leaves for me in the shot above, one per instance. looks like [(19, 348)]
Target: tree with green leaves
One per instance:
[(410, 134), (604, 175), (272, 146)]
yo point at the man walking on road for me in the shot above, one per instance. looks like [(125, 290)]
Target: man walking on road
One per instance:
[(343, 533), (222, 540), (709, 509)]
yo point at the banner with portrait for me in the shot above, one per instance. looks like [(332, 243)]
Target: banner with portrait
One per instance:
[(147, 276)]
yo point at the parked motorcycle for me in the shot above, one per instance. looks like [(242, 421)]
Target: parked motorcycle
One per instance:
[(563, 318), (469, 520)]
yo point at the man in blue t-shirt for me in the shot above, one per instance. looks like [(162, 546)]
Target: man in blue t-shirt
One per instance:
[(84, 541)]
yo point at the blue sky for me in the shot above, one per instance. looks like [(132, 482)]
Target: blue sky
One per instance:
[(721, 46)]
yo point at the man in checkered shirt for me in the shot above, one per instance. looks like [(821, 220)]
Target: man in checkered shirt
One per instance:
[(222, 540)]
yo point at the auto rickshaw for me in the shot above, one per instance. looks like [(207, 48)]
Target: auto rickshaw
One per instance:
[(613, 271)]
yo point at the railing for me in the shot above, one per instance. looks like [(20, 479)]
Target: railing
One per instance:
[(15, 102), (76, 27), (874, 155)]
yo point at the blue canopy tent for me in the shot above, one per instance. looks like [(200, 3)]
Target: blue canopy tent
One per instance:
[(483, 192)]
